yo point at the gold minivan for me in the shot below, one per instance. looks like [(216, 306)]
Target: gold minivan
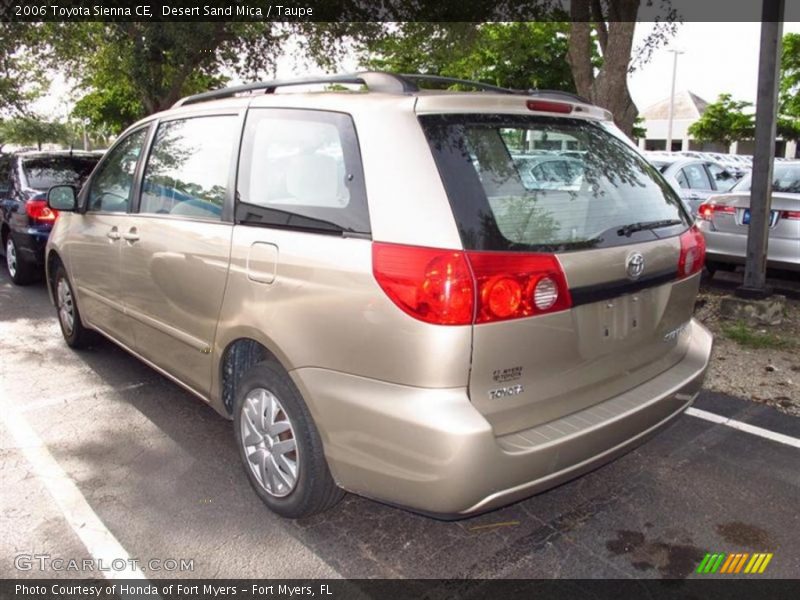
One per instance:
[(446, 301)]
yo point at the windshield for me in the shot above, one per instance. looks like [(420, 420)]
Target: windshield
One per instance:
[(506, 195), (44, 172), (785, 179)]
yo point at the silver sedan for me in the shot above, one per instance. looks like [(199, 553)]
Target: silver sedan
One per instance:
[(695, 180), (724, 221)]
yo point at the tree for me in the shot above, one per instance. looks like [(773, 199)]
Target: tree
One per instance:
[(21, 74), (27, 131), (128, 70), (639, 131), (789, 96), (521, 55), (610, 25), (598, 38), (724, 122)]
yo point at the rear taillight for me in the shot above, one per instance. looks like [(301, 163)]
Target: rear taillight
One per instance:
[(39, 211), (512, 285), (790, 214), (452, 287), (431, 285), (693, 253), (706, 211)]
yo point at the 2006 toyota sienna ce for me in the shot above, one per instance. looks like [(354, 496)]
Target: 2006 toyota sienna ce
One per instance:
[(407, 294)]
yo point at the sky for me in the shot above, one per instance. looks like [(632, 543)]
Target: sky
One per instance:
[(718, 58)]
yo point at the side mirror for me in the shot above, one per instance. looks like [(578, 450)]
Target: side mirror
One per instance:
[(62, 198)]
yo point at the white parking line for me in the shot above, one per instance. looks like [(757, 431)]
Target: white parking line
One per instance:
[(99, 541), (747, 428)]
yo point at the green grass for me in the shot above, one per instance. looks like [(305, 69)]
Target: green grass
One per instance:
[(745, 336)]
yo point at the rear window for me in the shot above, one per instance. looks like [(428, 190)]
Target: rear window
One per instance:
[(785, 179), (508, 195), (42, 173)]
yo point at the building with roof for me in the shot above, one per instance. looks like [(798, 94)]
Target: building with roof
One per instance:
[(687, 109)]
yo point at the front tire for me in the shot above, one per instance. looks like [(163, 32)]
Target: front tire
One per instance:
[(69, 317), (280, 446)]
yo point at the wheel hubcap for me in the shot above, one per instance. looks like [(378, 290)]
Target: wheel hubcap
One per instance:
[(11, 257), (269, 442), (66, 307)]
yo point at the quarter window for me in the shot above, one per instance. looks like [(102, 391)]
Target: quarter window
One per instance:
[(187, 170), (302, 169), (111, 188)]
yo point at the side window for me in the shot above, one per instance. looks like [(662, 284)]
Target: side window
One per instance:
[(111, 187), (187, 170), (302, 169), (723, 181), (682, 181), (696, 175)]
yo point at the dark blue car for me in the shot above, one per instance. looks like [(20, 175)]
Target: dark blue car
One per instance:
[(25, 219)]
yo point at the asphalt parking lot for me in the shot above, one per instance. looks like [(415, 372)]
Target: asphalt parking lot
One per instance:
[(148, 470)]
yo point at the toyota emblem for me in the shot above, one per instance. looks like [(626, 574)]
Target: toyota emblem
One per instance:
[(635, 265)]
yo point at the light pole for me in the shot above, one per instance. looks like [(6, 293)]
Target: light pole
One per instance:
[(675, 53)]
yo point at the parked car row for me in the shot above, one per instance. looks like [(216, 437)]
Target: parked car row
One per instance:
[(737, 164), (720, 202), (724, 220), (695, 179)]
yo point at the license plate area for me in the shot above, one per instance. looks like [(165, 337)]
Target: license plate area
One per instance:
[(745, 217), (621, 317)]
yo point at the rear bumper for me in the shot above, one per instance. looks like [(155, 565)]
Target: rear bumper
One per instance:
[(31, 243), (431, 451), (782, 253)]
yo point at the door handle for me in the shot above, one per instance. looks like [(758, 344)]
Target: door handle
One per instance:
[(113, 235), (132, 235)]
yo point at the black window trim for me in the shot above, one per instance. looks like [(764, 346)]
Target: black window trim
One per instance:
[(240, 205), (83, 196)]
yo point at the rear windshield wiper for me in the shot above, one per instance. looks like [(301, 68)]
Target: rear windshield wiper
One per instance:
[(628, 230)]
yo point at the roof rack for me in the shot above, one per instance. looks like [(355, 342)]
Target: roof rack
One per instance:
[(376, 81)]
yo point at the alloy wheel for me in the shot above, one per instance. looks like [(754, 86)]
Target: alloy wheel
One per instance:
[(269, 442), (66, 306), (11, 257)]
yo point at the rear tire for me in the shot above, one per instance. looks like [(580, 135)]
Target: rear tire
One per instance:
[(20, 270), (280, 446), (69, 317)]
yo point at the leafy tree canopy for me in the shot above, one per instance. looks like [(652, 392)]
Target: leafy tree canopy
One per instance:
[(125, 71), (724, 121), (35, 131), (21, 75), (521, 55), (789, 98)]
